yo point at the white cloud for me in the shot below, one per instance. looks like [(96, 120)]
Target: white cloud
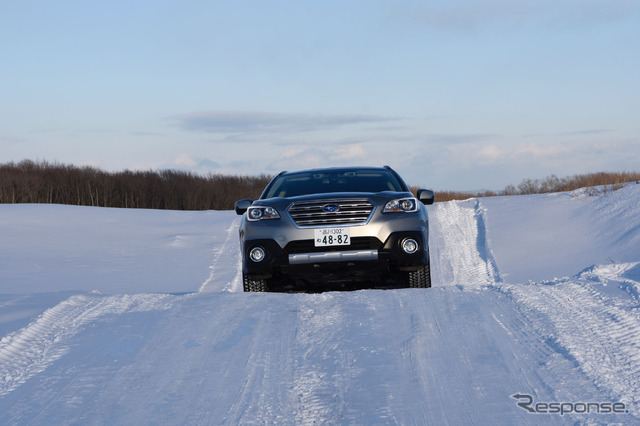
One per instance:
[(491, 152), (295, 158), (349, 152), (541, 151), (302, 157), (185, 161)]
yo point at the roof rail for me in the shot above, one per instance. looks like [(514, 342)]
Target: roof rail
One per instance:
[(282, 172)]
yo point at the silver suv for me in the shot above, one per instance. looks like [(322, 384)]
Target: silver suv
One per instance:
[(336, 228)]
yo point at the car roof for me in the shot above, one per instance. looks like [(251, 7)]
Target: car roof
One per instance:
[(335, 169)]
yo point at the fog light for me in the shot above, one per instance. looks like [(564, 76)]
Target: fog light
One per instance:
[(256, 254), (409, 245)]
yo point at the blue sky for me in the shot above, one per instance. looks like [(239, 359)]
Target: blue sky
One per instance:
[(453, 94)]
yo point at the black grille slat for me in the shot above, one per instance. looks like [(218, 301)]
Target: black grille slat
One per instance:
[(312, 214)]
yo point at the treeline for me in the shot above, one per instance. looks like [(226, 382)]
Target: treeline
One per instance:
[(43, 182), (608, 181), (52, 183)]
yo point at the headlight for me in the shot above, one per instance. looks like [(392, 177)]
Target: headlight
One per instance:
[(401, 205), (260, 213)]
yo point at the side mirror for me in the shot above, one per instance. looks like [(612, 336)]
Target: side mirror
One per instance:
[(243, 205), (426, 196)]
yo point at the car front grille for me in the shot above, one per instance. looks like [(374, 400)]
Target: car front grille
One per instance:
[(339, 212)]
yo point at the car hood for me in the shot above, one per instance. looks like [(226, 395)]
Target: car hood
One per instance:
[(374, 196)]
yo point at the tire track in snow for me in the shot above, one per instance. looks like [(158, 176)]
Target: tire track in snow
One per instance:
[(599, 332), (320, 386), (29, 351), (460, 253)]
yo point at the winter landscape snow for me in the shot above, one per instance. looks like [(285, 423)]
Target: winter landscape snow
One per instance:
[(113, 316)]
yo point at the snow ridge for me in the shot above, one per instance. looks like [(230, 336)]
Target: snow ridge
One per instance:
[(460, 245), (29, 351), (229, 275)]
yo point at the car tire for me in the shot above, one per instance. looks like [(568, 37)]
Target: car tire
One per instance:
[(252, 284), (420, 278)]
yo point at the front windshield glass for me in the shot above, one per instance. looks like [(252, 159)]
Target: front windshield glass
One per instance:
[(329, 181)]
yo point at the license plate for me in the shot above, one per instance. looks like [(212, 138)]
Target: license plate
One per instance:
[(332, 237)]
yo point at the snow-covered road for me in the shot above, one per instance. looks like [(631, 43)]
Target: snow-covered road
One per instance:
[(524, 302)]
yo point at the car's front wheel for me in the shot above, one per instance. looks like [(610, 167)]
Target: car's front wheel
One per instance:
[(420, 278), (252, 284)]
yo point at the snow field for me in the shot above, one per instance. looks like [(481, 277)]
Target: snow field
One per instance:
[(524, 301)]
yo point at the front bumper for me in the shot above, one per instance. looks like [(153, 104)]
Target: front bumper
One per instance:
[(299, 256)]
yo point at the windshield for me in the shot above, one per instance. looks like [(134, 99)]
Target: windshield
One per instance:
[(328, 181)]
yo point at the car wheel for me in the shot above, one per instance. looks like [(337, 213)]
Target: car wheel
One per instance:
[(252, 284), (420, 278)]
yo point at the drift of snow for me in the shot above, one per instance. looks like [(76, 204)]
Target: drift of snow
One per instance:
[(136, 316)]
